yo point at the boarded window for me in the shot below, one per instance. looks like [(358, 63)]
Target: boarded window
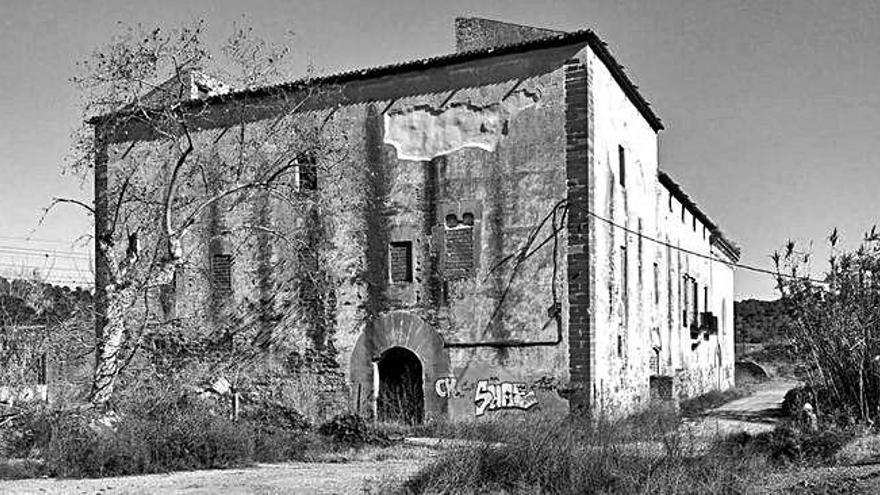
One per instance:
[(401, 261), (306, 173), (221, 273), (458, 261)]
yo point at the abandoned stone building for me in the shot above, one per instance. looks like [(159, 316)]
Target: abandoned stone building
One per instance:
[(513, 241)]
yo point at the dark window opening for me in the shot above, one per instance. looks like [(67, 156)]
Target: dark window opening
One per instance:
[(685, 302), (706, 299), (694, 222), (307, 173), (624, 277), (221, 273), (682, 213), (401, 395), (401, 261), (621, 159), (670, 203), (451, 221), (656, 283), (619, 346)]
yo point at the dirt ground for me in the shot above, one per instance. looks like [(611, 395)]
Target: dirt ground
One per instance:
[(359, 476), (369, 471)]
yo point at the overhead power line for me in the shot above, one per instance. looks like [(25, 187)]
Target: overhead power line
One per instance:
[(694, 253), (45, 252)]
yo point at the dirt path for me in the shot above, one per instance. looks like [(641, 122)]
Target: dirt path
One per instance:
[(753, 414), (305, 478)]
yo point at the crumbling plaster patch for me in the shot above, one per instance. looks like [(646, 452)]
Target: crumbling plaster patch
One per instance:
[(423, 132)]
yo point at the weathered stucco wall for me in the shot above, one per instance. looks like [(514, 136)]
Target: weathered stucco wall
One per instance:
[(623, 310), (705, 363), (494, 153), (440, 225)]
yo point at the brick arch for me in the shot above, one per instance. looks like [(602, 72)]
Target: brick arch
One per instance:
[(398, 329)]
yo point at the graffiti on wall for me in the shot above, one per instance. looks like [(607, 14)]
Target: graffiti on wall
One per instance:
[(447, 387), (490, 394), (503, 395)]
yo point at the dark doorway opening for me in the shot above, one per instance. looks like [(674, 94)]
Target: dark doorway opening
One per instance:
[(401, 395)]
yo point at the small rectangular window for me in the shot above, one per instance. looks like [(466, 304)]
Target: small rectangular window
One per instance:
[(670, 202), (694, 222), (656, 283), (221, 273), (685, 300), (400, 261), (706, 299), (682, 213), (624, 277), (621, 158)]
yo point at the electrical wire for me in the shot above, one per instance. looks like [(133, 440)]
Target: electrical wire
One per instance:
[(734, 264)]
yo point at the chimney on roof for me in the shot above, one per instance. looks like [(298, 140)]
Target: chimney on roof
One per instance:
[(188, 84), (476, 33)]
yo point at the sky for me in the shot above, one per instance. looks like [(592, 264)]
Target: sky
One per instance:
[(771, 108)]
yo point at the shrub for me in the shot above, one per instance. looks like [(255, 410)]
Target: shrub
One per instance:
[(351, 430), (176, 439), (280, 433), (834, 322), (164, 432), (572, 456), (788, 444)]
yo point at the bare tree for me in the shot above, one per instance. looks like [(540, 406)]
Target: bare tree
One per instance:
[(177, 134)]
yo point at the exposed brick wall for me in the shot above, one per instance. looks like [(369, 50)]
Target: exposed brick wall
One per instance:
[(581, 348)]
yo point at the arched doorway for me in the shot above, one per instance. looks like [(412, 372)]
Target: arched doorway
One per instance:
[(401, 395)]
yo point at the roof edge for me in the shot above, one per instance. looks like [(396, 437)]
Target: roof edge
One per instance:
[(716, 237), (554, 41)]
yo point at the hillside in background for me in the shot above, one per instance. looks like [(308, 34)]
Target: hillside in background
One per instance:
[(758, 321)]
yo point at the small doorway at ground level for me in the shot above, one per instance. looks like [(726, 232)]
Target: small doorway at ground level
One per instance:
[(401, 394)]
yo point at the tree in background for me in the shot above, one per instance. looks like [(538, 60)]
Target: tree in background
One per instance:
[(835, 324), (42, 326)]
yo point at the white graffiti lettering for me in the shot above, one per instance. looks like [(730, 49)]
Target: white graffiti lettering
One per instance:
[(505, 395), (446, 387)]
